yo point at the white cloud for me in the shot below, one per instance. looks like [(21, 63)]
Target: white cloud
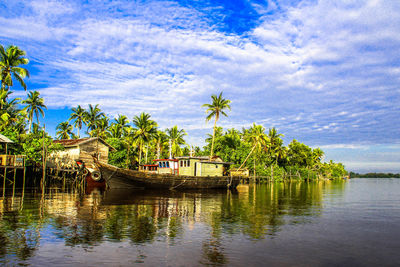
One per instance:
[(323, 72)]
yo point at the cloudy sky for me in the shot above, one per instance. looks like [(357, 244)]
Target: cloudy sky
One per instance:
[(325, 73)]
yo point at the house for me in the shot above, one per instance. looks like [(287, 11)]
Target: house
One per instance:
[(10, 160), (79, 149)]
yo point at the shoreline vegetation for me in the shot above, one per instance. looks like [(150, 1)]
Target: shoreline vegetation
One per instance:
[(374, 175), (139, 141)]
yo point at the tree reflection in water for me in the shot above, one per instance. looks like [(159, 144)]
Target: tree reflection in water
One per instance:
[(146, 217)]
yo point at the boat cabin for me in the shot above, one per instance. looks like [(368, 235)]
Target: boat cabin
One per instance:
[(202, 166), (151, 168), (167, 166)]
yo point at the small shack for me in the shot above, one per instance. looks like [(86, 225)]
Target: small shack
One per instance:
[(79, 149), (10, 160)]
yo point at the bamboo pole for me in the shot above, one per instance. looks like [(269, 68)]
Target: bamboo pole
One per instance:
[(4, 179), (43, 161), (23, 183), (13, 191), (15, 172)]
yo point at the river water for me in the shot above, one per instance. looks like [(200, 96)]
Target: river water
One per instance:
[(346, 223)]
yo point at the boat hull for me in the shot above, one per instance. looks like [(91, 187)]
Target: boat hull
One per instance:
[(122, 178)]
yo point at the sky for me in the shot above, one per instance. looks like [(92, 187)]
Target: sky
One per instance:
[(325, 73)]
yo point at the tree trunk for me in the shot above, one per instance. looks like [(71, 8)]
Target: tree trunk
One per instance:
[(272, 172), (158, 150), (247, 157), (30, 125), (140, 152), (212, 142), (254, 166), (146, 155)]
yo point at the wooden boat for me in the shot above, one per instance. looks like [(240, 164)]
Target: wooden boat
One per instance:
[(123, 178)]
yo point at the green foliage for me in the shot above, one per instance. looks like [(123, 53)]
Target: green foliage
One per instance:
[(119, 156)]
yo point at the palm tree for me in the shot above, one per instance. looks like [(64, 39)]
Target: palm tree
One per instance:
[(101, 128), (145, 129), (10, 60), (257, 137), (214, 109), (176, 137), (78, 114), (275, 149), (161, 142), (92, 116), (119, 127), (64, 130), (35, 105)]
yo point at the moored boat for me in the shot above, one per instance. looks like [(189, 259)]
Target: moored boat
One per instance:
[(124, 178)]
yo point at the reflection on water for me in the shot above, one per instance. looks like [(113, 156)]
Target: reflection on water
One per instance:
[(156, 227)]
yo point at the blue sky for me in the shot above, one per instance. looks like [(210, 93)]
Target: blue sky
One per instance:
[(325, 73)]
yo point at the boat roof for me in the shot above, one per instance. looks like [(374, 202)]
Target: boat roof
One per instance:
[(189, 157), (165, 159)]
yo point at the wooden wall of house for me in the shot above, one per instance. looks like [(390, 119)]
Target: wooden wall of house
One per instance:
[(92, 148), (66, 159), (63, 159)]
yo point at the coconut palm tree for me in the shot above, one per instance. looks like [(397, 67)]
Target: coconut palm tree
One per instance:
[(92, 116), (35, 105), (257, 137), (119, 127), (78, 114), (64, 130), (176, 137), (275, 148), (215, 109), (10, 60), (161, 142), (101, 129), (145, 129)]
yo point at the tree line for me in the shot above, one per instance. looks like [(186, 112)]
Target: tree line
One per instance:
[(139, 140), (374, 175)]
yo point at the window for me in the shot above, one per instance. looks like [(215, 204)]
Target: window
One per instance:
[(167, 165), (181, 163), (188, 163), (160, 164)]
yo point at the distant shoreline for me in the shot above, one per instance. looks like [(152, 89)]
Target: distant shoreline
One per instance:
[(374, 175)]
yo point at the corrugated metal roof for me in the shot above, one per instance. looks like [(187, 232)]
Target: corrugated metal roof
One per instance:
[(4, 139), (78, 142), (70, 142)]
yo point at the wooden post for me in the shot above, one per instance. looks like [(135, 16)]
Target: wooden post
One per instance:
[(43, 160), (23, 183), (4, 179), (15, 172)]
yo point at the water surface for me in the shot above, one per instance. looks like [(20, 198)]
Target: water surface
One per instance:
[(347, 223)]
